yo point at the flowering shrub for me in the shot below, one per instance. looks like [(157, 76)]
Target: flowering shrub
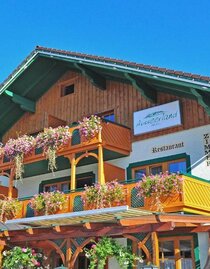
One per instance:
[(108, 247), (51, 140), (9, 208), (90, 127), (156, 186), (100, 196), (48, 202), (22, 258), (15, 149)]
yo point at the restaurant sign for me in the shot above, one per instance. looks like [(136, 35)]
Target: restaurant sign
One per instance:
[(156, 118)]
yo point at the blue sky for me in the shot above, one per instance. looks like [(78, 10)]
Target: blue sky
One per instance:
[(173, 34)]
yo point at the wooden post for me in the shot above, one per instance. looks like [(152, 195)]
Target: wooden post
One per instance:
[(1, 249), (135, 251), (68, 254), (177, 255), (11, 179), (73, 171), (155, 248), (46, 253), (101, 178)]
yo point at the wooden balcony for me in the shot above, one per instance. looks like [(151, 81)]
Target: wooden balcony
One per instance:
[(194, 199), (115, 139)]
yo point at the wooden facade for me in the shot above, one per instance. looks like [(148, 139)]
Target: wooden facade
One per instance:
[(121, 98)]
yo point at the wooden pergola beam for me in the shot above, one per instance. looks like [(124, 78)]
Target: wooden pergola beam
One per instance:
[(185, 219), (90, 229)]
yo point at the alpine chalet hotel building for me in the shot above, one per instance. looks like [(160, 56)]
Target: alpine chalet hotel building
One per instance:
[(153, 120)]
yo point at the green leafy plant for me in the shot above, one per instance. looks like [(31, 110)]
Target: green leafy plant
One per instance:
[(106, 248), (22, 258), (157, 186), (9, 208), (47, 203), (100, 196)]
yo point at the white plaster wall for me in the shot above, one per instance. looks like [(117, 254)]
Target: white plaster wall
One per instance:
[(30, 185), (203, 248), (112, 262), (4, 181), (193, 146)]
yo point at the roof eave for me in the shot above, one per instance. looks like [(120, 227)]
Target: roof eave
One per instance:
[(191, 83), (137, 71)]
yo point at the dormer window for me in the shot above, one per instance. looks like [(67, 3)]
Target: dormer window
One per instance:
[(67, 89)]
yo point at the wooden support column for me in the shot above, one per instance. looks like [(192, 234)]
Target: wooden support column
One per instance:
[(11, 180), (135, 251), (101, 178), (155, 248), (73, 171), (47, 253), (1, 250), (177, 255), (68, 253)]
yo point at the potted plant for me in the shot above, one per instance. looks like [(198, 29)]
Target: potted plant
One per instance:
[(48, 203), (90, 127), (100, 196), (23, 258), (51, 140), (15, 149), (107, 247), (9, 208), (159, 186)]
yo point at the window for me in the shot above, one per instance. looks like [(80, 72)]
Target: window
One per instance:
[(175, 166), (184, 252), (108, 115), (68, 87), (66, 90), (63, 184)]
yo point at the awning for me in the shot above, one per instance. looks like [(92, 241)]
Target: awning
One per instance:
[(112, 214)]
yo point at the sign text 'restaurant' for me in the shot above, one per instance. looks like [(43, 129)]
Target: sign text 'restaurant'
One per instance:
[(167, 147)]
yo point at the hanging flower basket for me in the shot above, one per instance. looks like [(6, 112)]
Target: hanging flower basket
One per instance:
[(48, 203), (90, 127), (16, 149), (101, 196), (106, 248), (23, 258), (158, 187), (9, 209), (51, 140)]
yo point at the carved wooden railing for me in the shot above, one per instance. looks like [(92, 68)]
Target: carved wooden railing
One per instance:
[(114, 137), (193, 199)]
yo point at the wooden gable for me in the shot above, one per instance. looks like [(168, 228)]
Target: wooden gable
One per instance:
[(53, 108)]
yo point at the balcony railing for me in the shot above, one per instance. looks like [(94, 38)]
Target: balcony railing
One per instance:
[(114, 137), (193, 199)]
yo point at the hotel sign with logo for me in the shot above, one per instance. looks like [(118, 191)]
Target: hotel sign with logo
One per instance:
[(156, 118)]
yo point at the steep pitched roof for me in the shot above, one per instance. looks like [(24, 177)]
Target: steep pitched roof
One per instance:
[(43, 67)]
